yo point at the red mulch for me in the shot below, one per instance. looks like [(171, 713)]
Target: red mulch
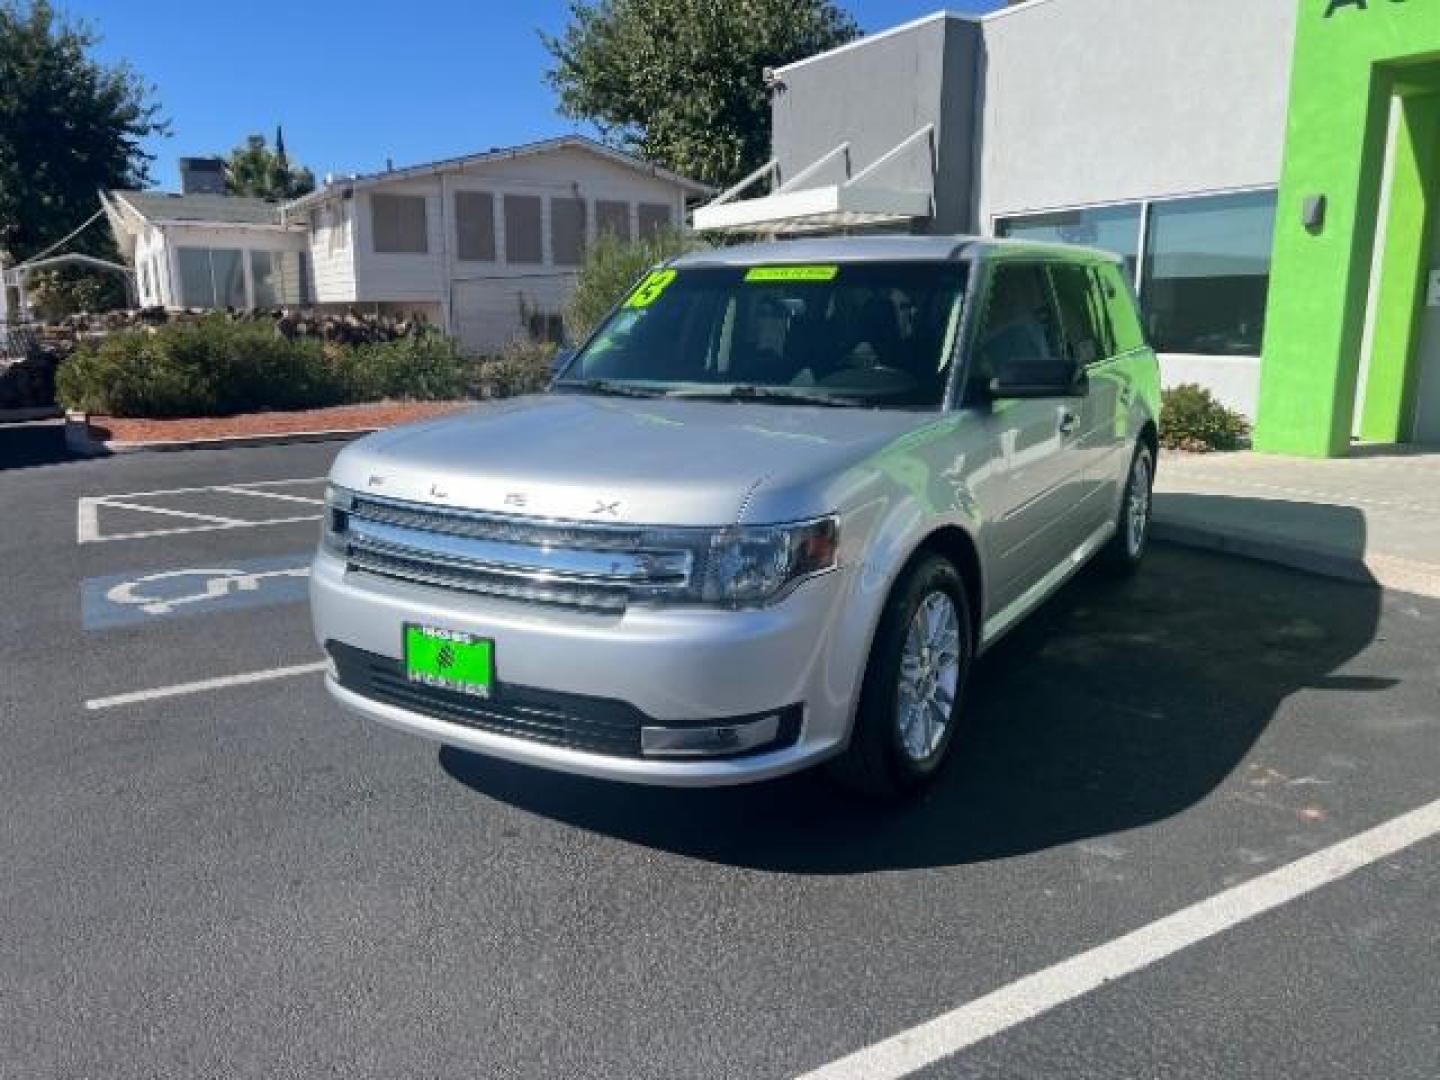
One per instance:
[(381, 414)]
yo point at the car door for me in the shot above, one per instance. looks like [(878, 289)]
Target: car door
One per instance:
[(1089, 343), (1030, 524)]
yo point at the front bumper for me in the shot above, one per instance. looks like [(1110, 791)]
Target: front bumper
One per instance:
[(669, 667)]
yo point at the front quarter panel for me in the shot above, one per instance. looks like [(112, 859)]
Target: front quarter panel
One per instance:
[(937, 476)]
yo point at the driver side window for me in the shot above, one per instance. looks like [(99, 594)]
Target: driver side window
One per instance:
[(1019, 327)]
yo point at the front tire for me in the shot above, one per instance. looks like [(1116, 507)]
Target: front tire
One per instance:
[(910, 703), (1123, 554)]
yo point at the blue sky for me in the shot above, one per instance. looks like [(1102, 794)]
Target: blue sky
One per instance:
[(357, 81)]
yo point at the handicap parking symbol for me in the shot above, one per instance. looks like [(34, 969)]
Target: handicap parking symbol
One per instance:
[(128, 599)]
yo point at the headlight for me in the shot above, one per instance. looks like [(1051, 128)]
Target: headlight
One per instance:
[(742, 566), (753, 565), (336, 522)]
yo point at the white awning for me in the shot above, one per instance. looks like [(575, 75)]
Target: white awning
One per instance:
[(854, 202), (821, 209)]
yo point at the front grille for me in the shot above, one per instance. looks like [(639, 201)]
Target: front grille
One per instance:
[(569, 564), (597, 725)]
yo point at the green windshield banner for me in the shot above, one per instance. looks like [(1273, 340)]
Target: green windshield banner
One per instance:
[(791, 273)]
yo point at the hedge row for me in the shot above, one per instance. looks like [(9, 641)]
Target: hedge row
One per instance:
[(217, 367)]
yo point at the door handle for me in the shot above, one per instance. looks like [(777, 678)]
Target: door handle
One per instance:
[(1069, 421)]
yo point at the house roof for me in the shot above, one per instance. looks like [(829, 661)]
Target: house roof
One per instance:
[(229, 209), (502, 153)]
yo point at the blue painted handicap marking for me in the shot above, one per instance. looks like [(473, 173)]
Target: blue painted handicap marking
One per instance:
[(141, 597)]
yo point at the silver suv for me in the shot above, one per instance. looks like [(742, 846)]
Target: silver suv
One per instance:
[(766, 517)]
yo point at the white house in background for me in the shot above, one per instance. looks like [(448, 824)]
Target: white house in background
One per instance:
[(200, 250), (485, 246)]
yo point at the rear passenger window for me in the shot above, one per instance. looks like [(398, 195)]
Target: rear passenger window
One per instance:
[(1120, 304), (1019, 326), (1082, 315)]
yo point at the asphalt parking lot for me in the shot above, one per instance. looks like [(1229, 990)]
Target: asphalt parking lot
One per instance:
[(210, 871)]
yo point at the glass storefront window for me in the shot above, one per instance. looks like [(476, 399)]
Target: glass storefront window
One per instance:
[(1110, 228), (1207, 273)]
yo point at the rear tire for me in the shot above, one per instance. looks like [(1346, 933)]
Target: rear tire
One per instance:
[(910, 702), (1122, 556)]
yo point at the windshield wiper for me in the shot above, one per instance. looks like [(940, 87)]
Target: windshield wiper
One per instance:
[(751, 392), (611, 388)]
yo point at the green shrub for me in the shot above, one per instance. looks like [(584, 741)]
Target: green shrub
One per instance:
[(523, 368), (426, 367), (1191, 419), (612, 266), (217, 366)]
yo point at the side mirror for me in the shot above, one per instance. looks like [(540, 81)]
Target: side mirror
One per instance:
[(560, 361), (1027, 378)]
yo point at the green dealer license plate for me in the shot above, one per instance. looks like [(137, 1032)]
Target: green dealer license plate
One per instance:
[(449, 660)]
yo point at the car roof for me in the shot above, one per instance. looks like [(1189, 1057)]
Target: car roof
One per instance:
[(887, 249)]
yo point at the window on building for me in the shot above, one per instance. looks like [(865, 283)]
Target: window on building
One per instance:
[(1207, 273), (1019, 326), (567, 231), (523, 241), (145, 283), (196, 287), (654, 218), (399, 224), (1110, 228), (212, 277), (265, 278), (475, 226), (227, 265), (614, 218)]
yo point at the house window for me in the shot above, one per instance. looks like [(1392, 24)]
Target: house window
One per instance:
[(1110, 228), (613, 218), (212, 277), (567, 231), (144, 283), (399, 224), (475, 226), (1207, 273), (654, 219), (265, 278), (523, 242)]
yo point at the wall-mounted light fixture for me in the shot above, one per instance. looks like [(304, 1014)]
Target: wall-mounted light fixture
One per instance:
[(1312, 214)]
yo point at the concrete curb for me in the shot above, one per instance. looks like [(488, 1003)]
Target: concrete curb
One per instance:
[(1383, 571), (80, 441)]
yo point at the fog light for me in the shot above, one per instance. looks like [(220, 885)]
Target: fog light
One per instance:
[(712, 740)]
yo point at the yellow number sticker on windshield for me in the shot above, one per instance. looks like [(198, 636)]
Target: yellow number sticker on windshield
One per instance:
[(649, 290), (791, 273)]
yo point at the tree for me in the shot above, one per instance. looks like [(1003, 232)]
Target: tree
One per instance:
[(681, 82), (69, 126), (261, 173)]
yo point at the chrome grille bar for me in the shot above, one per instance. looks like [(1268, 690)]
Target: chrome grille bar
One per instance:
[(572, 564)]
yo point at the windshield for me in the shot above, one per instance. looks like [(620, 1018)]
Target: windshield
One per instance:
[(877, 334)]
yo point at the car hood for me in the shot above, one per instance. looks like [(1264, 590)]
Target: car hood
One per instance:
[(657, 462)]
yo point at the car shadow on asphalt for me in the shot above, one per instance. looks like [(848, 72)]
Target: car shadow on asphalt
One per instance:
[(36, 443), (1114, 706)]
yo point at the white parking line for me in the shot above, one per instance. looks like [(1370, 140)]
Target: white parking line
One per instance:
[(135, 697), (87, 516), (924, 1045), (165, 511), (257, 494)]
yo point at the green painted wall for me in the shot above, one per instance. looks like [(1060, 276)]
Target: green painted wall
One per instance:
[(1351, 58)]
